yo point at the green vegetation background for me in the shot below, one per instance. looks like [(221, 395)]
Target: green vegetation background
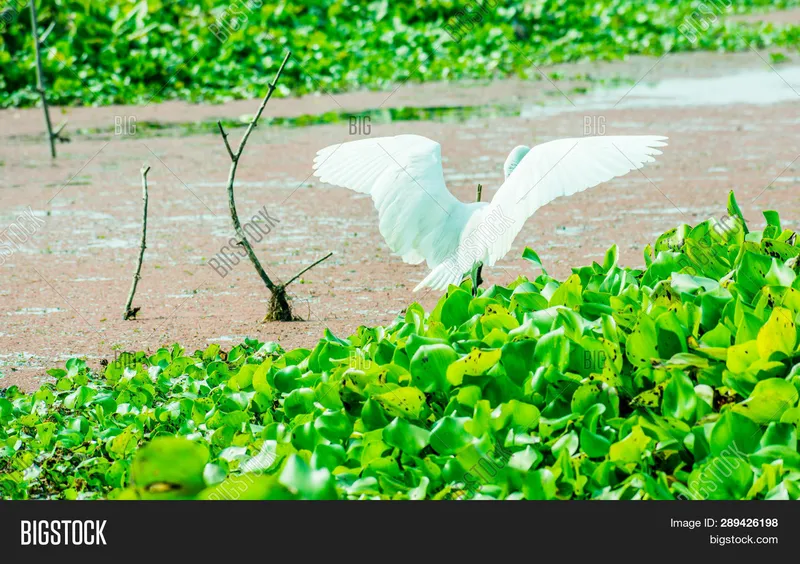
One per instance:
[(125, 51)]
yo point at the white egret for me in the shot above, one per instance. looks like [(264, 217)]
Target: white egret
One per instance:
[(422, 221)]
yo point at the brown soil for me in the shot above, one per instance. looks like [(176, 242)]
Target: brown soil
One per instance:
[(62, 293)]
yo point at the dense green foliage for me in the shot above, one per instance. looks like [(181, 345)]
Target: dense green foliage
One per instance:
[(135, 51), (676, 380)]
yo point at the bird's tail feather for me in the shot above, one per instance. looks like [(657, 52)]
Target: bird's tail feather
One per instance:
[(440, 278)]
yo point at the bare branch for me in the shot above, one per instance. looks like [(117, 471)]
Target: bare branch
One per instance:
[(279, 308), (60, 128), (46, 34), (232, 178), (131, 313), (40, 86), (263, 105), (306, 269), (225, 139)]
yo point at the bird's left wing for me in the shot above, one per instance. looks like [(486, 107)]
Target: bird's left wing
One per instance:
[(404, 176)]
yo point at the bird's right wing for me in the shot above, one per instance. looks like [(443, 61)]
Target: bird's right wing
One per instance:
[(562, 168), (548, 171), (404, 176)]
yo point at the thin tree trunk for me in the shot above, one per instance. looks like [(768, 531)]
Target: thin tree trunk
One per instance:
[(131, 313), (40, 84), (279, 308)]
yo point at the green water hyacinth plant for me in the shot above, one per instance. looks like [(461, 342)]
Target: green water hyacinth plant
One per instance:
[(678, 380), (148, 51)]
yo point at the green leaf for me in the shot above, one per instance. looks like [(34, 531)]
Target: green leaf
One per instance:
[(531, 256), (449, 435), (629, 451), (680, 399), (300, 479), (405, 436), (169, 468), (768, 401), (429, 367), (476, 363)]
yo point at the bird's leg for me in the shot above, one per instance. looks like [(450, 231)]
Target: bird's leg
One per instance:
[(475, 276)]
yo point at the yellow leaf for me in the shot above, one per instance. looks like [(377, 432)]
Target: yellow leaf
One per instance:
[(402, 402), (260, 377), (778, 334), (630, 449), (740, 357), (475, 363)]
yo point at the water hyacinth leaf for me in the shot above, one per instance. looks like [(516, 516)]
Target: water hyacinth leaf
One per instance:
[(539, 484), (778, 335), (169, 468), (259, 380), (734, 433), (123, 444), (780, 434), (299, 401), (476, 363), (672, 338), (735, 211), (569, 293), (553, 349), (405, 402), (768, 401), (680, 399), (630, 449), (334, 425), (405, 436), (429, 367), (455, 308), (641, 344), (449, 435), (299, 478), (531, 256), (79, 397)]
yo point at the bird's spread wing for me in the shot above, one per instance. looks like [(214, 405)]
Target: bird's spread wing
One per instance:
[(548, 171), (404, 176)]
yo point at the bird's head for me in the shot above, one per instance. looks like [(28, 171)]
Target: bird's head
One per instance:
[(514, 157)]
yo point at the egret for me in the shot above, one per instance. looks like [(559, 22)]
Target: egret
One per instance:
[(422, 221)]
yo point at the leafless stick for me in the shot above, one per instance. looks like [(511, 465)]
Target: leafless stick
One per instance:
[(306, 269), (225, 138), (46, 34), (279, 304), (131, 313), (40, 79), (60, 128)]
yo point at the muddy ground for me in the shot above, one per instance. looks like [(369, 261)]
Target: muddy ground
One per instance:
[(733, 122)]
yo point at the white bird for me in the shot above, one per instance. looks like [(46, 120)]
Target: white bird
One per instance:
[(422, 221)]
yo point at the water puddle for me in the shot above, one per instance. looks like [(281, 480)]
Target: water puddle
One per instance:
[(758, 87), (770, 85), (37, 310)]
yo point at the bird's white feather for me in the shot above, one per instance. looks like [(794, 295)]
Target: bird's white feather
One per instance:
[(421, 220), (550, 170), (418, 217)]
